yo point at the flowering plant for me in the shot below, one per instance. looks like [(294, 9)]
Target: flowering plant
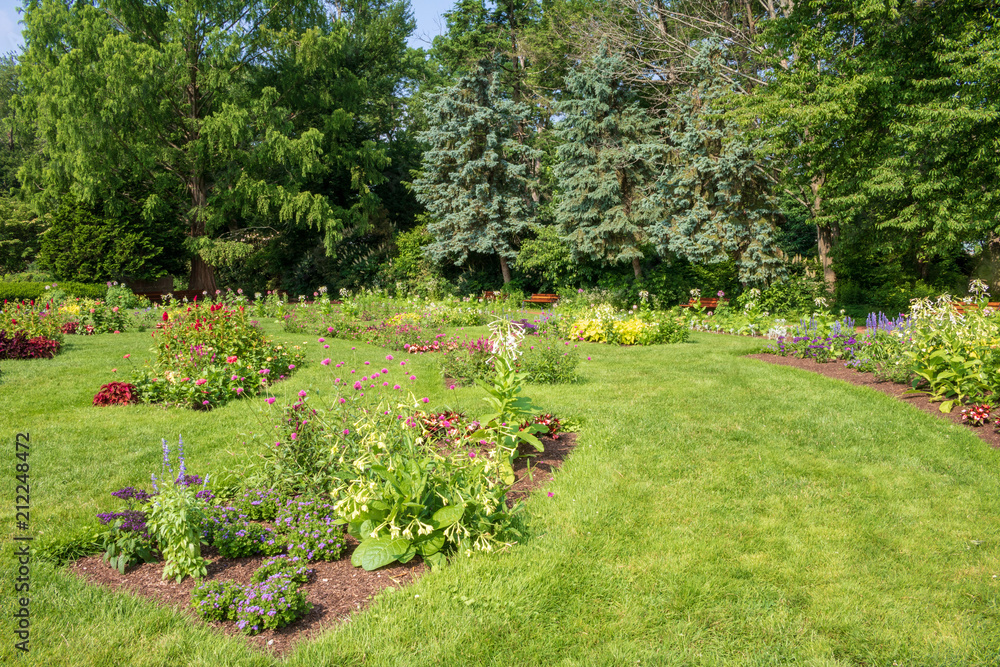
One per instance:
[(977, 415), (207, 356), (174, 519), (127, 540)]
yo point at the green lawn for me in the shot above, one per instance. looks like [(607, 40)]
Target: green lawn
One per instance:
[(718, 510)]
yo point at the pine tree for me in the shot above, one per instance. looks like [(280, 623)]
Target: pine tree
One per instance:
[(473, 180), (606, 165), (716, 204)]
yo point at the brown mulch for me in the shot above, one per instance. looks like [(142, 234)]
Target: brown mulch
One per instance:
[(336, 589), (839, 371)]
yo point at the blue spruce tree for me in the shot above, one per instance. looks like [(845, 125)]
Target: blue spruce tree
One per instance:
[(607, 165), (474, 177), (716, 204)]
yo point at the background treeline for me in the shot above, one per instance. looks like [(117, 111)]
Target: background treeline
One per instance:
[(537, 145)]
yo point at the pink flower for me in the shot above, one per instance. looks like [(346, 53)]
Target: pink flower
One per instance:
[(322, 340), (396, 386), (204, 402), (551, 494), (329, 329), (114, 370), (385, 384), (388, 357), (451, 387), (294, 436), (270, 400), (126, 356), (385, 370), (200, 381), (357, 385), (413, 377), (326, 347), (291, 367), (347, 432), (588, 358), (233, 378), (472, 455), (402, 363), (239, 390), (368, 363), (425, 400), (230, 360), (302, 393), (325, 362), (342, 400)]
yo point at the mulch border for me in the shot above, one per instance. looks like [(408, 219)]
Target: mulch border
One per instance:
[(920, 401)]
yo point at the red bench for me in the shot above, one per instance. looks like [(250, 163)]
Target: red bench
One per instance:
[(542, 299), (707, 304)]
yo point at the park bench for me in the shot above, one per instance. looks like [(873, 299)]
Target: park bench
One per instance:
[(542, 299), (706, 303), (962, 307), (491, 296)]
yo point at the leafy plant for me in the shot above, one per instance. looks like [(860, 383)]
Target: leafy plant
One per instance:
[(294, 567), (271, 604), (116, 393), (217, 600), (242, 539), (19, 346), (175, 518), (977, 415)]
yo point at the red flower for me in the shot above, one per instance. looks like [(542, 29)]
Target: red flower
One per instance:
[(165, 316)]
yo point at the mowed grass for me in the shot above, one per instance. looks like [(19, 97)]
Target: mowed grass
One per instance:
[(717, 511)]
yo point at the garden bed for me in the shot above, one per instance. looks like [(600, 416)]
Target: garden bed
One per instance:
[(838, 371), (335, 590)]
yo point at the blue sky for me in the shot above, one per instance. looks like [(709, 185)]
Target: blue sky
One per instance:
[(427, 12)]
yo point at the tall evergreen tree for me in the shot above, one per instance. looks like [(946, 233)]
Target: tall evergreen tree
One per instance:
[(716, 204), (473, 180), (606, 165)]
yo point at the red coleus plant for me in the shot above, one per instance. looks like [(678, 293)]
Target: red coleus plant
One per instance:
[(977, 415), (19, 346), (116, 393), (548, 420)]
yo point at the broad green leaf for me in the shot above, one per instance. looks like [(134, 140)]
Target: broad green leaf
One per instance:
[(373, 553), (430, 544), (448, 515)]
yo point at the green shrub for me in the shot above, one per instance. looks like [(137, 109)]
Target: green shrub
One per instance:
[(29, 291)]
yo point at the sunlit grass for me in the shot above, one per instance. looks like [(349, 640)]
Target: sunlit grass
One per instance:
[(717, 510)]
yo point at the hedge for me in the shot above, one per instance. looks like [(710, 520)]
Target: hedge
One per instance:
[(25, 291)]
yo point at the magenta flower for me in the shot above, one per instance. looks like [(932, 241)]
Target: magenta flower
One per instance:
[(396, 386), (342, 400), (325, 362), (294, 436), (472, 455), (357, 385), (425, 400), (388, 357), (413, 377), (322, 340), (347, 432), (385, 370), (551, 494), (270, 400), (239, 390), (200, 381), (451, 387), (291, 367), (302, 393)]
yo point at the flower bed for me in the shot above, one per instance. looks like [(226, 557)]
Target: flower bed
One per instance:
[(209, 355)]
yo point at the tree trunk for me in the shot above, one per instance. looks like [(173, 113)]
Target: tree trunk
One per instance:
[(202, 276), (637, 267), (505, 269), (827, 236)]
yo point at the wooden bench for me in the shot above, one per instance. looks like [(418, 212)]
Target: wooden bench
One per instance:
[(706, 303), (492, 296), (542, 299), (962, 307)]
